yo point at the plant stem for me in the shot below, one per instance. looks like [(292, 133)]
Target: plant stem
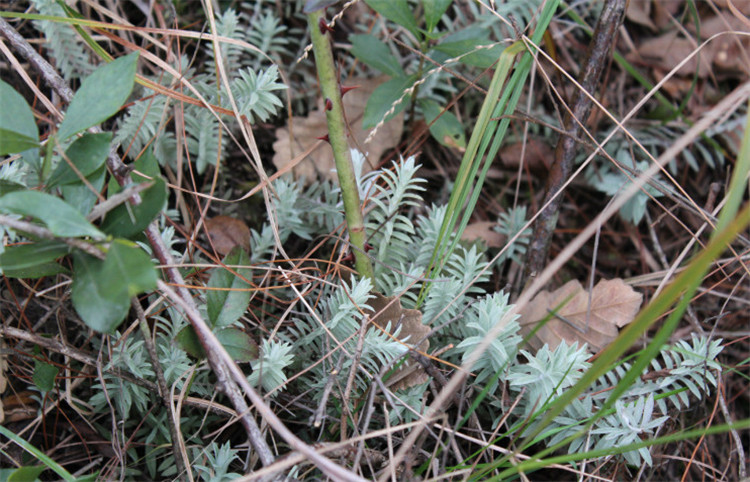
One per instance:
[(597, 56), (334, 110)]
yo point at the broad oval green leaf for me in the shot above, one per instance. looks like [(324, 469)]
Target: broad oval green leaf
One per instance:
[(238, 344), (100, 96), (26, 255), (18, 131), (12, 142), (229, 294), (88, 154), (382, 99), (98, 300), (44, 375), (24, 474), (101, 290), (188, 340), (81, 196), (433, 10), (375, 53), (397, 11), (42, 270), (446, 129), (468, 40), (130, 267), (127, 220), (60, 218)]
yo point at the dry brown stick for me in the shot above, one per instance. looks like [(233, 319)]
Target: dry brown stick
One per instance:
[(120, 172), (565, 152)]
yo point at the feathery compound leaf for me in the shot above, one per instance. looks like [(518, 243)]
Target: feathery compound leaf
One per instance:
[(254, 93), (67, 49)]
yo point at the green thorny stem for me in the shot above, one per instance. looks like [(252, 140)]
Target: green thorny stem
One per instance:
[(334, 110)]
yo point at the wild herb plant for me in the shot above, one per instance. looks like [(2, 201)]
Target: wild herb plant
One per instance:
[(560, 396)]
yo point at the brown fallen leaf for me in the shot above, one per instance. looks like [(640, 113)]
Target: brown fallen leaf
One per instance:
[(613, 304), (306, 130), (667, 51), (483, 230), (640, 13), (412, 330), (537, 155), (226, 232)]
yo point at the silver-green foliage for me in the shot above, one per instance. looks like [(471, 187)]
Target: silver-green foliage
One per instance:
[(255, 92), (268, 369), (70, 55)]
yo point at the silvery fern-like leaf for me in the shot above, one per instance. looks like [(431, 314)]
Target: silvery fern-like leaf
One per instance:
[(269, 35), (628, 425), (448, 293), (390, 231), (227, 25), (268, 369), (254, 93), (546, 374), (261, 244), (212, 462), (509, 224), (290, 215), (612, 182), (205, 139), (67, 49), (478, 321)]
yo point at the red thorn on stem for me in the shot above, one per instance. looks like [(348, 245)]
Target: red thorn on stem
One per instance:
[(324, 138), (323, 26), (329, 104), (344, 90), (349, 258)]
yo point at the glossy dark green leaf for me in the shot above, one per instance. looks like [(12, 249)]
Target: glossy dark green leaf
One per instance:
[(446, 129), (18, 131), (238, 344), (375, 53), (100, 96), (60, 218), (228, 294), (88, 153), (383, 97), (433, 10), (102, 290), (397, 11), (25, 256), (44, 375), (127, 220)]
